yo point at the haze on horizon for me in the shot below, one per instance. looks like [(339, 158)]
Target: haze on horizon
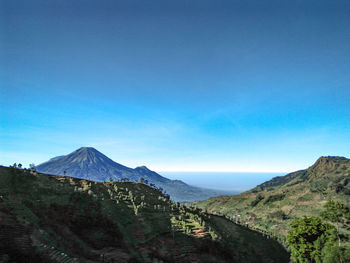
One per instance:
[(258, 86)]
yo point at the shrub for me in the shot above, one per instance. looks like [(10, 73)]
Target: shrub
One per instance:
[(278, 215), (307, 238), (274, 198), (257, 200)]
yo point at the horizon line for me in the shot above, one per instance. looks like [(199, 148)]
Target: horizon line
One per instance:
[(212, 171)]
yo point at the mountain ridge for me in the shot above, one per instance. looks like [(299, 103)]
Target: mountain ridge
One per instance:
[(89, 163), (322, 165), (273, 204)]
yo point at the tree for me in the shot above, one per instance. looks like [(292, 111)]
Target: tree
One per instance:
[(307, 238), (124, 179), (64, 172), (32, 167), (142, 180), (337, 213), (20, 166)]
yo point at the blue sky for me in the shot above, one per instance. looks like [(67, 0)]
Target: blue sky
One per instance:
[(176, 85)]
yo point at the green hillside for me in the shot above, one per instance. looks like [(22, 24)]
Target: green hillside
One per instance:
[(46, 218), (272, 205)]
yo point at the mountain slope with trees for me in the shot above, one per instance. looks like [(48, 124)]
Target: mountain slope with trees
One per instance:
[(321, 239), (46, 218), (271, 206)]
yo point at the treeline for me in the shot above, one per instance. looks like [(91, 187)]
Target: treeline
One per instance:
[(238, 220), (323, 239)]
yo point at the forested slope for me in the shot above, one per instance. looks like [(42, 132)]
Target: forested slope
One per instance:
[(48, 218)]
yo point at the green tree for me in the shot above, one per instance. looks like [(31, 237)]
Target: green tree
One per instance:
[(337, 213), (307, 237)]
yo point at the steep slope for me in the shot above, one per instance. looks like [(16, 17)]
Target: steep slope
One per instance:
[(88, 163), (271, 205), (45, 218)]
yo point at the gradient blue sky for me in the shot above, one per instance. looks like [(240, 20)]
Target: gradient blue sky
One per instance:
[(176, 85)]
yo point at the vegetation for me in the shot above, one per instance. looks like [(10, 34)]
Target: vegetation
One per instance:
[(273, 205), (313, 240), (121, 221), (308, 237), (48, 218), (278, 208), (336, 212)]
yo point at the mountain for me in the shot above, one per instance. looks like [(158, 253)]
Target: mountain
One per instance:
[(48, 218), (88, 163), (273, 204)]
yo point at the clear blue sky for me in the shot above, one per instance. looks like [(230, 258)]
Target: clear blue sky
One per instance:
[(176, 85)]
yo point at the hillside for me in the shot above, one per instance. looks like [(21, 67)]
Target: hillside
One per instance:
[(88, 163), (45, 218), (272, 205)]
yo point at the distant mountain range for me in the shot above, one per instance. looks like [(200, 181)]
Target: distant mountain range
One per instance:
[(273, 204), (88, 163)]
